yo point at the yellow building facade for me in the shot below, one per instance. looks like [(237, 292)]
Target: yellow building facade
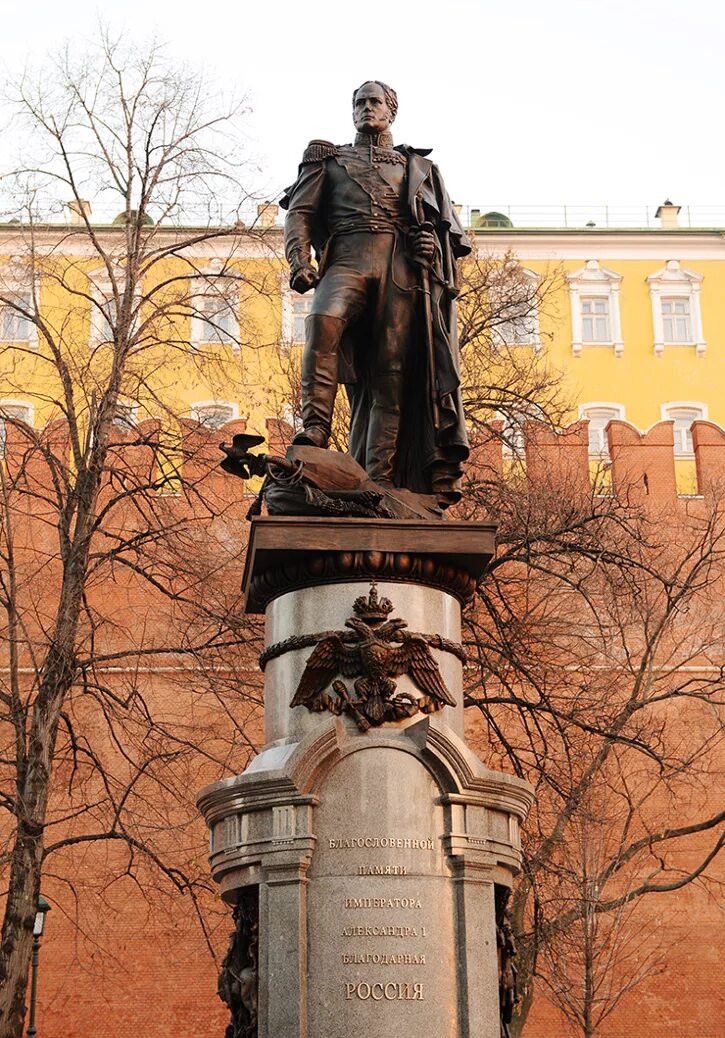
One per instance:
[(634, 323)]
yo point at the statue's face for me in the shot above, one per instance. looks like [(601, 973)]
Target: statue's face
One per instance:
[(370, 111)]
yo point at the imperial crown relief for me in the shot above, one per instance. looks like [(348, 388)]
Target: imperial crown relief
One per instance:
[(366, 852)]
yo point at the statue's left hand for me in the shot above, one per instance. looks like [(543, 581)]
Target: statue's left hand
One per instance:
[(424, 245)]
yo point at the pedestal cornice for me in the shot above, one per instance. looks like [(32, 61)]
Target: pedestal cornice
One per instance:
[(289, 553)]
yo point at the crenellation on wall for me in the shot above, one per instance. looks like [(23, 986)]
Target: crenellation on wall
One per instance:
[(559, 457), (486, 460), (279, 435), (709, 442), (643, 463), (200, 446)]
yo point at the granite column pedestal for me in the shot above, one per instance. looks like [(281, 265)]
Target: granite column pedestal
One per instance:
[(374, 857)]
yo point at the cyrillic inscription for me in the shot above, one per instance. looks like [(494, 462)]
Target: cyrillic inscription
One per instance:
[(392, 842), (380, 931), (381, 959), (382, 902), (382, 870), (382, 991), (390, 992)]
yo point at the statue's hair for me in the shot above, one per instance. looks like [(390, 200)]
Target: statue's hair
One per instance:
[(391, 97)]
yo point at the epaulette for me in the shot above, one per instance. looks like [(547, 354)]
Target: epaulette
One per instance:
[(316, 151)]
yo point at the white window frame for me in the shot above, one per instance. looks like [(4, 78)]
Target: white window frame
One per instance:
[(533, 341), (101, 290), (14, 403), (591, 281), (513, 443), (25, 404), (674, 317), (129, 420), (210, 279), (688, 405), (199, 406), (293, 420), (17, 287), (288, 313), (596, 405), (673, 282), (595, 316)]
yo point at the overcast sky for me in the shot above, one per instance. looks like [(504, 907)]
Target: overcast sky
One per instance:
[(526, 103)]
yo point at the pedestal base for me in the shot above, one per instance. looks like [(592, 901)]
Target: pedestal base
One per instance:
[(364, 851), (375, 856)]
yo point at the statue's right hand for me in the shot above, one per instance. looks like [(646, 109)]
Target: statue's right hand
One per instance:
[(304, 279)]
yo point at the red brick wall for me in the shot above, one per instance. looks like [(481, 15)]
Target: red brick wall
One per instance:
[(123, 956)]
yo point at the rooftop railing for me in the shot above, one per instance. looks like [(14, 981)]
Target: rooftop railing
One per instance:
[(261, 216), (589, 217)]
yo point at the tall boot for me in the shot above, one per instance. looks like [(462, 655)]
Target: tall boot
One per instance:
[(384, 428), (319, 378)]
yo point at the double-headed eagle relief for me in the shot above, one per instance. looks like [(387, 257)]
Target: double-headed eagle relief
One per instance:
[(374, 650)]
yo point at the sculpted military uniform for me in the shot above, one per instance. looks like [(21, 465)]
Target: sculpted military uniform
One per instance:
[(356, 207)]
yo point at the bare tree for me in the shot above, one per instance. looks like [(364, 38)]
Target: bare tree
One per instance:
[(504, 312), (598, 676), (601, 957), (109, 489)]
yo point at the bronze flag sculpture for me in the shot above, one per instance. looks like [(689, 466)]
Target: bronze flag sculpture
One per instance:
[(385, 237)]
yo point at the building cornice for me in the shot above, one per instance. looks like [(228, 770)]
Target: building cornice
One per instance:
[(605, 245), (528, 243)]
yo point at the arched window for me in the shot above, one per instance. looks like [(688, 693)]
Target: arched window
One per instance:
[(683, 413), (126, 416), (514, 442), (600, 414), (214, 413), (13, 411), (17, 410)]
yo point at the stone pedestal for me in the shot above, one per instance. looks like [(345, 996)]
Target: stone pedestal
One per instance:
[(373, 856)]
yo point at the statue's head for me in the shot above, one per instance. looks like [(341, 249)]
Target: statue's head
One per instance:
[(374, 107)]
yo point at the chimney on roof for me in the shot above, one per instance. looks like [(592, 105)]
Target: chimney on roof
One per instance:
[(667, 214), (267, 214), (79, 210)]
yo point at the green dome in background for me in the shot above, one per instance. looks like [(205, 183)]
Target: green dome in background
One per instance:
[(493, 219), (120, 220)]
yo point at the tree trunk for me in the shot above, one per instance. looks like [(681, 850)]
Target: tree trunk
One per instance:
[(525, 959), (525, 986), (17, 934), (589, 923), (32, 792)]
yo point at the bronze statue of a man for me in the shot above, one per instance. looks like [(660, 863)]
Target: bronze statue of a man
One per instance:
[(386, 240)]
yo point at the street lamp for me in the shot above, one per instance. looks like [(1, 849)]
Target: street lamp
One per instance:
[(38, 926)]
